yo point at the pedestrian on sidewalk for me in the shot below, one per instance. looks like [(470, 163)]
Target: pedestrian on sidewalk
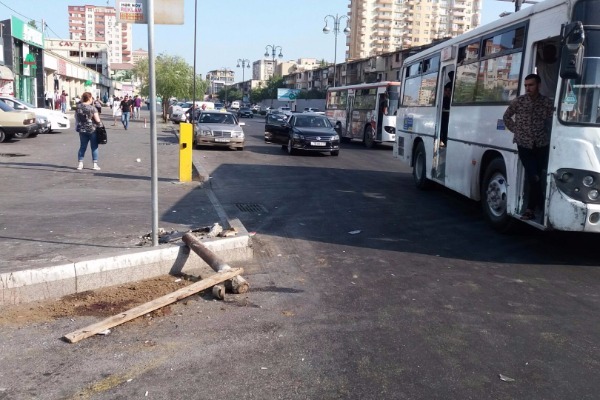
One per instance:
[(126, 106), (63, 102), (116, 109), (86, 121), (137, 103), (98, 105)]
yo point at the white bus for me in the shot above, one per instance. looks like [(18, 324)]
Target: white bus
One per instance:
[(557, 39), (365, 111)]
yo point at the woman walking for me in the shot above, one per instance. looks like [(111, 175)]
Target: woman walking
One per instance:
[(116, 109), (86, 120)]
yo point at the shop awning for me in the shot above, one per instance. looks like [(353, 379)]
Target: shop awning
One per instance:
[(6, 74)]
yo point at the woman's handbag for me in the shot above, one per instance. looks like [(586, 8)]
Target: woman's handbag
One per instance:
[(101, 135)]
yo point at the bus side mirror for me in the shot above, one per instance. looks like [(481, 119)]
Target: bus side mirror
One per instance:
[(571, 60)]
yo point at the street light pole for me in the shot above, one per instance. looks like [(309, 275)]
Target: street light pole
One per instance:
[(336, 29), (273, 52), (244, 62)]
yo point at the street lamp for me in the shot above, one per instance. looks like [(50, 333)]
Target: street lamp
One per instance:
[(336, 29), (245, 63), (273, 52)]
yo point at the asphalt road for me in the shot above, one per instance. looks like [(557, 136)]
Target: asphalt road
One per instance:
[(362, 288)]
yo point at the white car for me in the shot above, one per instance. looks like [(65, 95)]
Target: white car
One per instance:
[(313, 110), (58, 120)]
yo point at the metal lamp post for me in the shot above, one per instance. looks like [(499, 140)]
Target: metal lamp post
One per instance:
[(336, 29), (273, 52), (244, 63)]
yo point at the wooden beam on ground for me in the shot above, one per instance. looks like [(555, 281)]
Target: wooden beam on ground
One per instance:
[(155, 304), (238, 284)]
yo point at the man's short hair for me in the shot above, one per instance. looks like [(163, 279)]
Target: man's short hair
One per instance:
[(537, 78)]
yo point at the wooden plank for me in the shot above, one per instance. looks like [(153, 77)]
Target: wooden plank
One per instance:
[(155, 304), (237, 284)]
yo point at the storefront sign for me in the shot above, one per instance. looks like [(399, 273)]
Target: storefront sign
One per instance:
[(26, 33)]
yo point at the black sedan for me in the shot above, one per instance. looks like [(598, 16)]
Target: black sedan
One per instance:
[(245, 112), (306, 131)]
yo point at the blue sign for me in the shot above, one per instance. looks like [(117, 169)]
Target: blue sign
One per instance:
[(287, 94)]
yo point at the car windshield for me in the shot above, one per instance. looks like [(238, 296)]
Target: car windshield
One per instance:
[(312, 122), (217, 118)]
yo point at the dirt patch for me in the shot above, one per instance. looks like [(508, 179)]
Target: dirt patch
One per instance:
[(103, 302)]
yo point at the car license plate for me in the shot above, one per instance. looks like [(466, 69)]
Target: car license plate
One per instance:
[(318, 144), (222, 140)]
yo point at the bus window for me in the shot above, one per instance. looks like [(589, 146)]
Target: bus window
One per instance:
[(498, 79), (468, 53), (466, 82), (365, 99), (512, 39), (411, 91), (428, 89)]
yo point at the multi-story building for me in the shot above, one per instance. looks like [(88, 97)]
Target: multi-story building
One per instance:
[(382, 26), (97, 23), (139, 54), (262, 70), (219, 78)]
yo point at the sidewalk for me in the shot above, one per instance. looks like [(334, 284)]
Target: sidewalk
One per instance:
[(52, 215)]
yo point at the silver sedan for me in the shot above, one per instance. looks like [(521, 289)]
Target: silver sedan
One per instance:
[(219, 129)]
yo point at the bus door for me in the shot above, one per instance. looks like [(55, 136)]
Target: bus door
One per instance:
[(443, 116), (382, 109), (349, 110)]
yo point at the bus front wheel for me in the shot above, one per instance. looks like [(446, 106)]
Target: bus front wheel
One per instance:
[(419, 167), (369, 137), (494, 194)]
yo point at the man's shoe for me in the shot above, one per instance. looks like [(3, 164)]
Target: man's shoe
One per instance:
[(96, 167), (80, 165)]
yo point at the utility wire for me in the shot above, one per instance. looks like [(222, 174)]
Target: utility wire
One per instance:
[(32, 19)]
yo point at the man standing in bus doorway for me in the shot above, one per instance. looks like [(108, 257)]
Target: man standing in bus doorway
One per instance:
[(531, 112)]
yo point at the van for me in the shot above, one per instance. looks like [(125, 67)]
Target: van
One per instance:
[(235, 105)]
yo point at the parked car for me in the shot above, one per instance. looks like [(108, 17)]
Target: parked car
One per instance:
[(313, 110), (217, 128), (245, 112), (306, 131), (13, 122), (285, 110), (235, 105), (255, 107), (219, 106), (58, 120), (179, 115)]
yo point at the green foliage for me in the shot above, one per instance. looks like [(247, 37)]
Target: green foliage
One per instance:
[(229, 94), (269, 91), (33, 24), (174, 78)]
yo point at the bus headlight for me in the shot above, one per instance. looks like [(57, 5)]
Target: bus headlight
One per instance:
[(578, 184)]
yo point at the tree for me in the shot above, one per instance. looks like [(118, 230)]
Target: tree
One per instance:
[(229, 94), (174, 78), (33, 24)]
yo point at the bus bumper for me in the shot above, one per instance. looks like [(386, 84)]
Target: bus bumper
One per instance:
[(568, 214)]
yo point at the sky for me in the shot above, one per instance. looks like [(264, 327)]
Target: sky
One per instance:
[(227, 30)]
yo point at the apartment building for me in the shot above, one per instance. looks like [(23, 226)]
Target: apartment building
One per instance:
[(382, 26), (99, 24), (219, 78)]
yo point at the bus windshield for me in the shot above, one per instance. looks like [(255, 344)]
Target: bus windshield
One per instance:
[(580, 100)]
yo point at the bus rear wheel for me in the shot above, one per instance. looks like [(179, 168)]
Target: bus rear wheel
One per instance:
[(494, 194), (419, 167), (369, 137)]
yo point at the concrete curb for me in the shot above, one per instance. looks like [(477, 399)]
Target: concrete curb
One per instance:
[(80, 276), (53, 282)]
